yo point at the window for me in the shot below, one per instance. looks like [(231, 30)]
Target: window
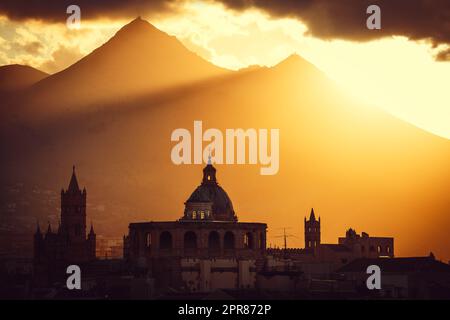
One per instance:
[(202, 215), (248, 240), (149, 240), (194, 214), (379, 249), (388, 249)]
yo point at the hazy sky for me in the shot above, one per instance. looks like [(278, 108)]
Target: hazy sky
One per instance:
[(401, 68)]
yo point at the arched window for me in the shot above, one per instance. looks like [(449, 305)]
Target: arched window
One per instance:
[(388, 249), (214, 241), (228, 240), (165, 240), (379, 249), (261, 241), (190, 240), (248, 240), (149, 240)]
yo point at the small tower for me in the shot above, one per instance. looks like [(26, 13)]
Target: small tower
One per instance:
[(91, 243), (312, 231), (38, 242), (73, 211), (209, 173)]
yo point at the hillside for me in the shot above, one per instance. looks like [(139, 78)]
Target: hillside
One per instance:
[(356, 165)]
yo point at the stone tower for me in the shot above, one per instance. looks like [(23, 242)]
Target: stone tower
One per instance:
[(312, 231), (55, 250), (73, 211)]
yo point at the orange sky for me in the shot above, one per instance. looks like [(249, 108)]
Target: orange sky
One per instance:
[(394, 73)]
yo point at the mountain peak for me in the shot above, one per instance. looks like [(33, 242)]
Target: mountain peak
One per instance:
[(138, 26), (297, 65), (139, 59), (16, 76), (138, 21), (293, 59)]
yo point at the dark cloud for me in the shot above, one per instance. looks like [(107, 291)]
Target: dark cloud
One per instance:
[(55, 10), (346, 19), (326, 19)]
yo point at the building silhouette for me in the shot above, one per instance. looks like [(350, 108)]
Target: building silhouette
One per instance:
[(208, 252), (69, 244), (312, 231), (206, 248), (316, 256)]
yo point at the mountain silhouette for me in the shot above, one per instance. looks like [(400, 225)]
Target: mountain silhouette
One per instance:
[(138, 59), (357, 165), (15, 77)]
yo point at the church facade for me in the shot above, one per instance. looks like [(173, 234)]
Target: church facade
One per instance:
[(70, 243), (207, 248)]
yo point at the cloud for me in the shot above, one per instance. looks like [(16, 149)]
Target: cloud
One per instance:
[(55, 10), (61, 58), (32, 48), (326, 19), (443, 55), (346, 19)]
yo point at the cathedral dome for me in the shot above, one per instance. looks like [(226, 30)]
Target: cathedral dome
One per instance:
[(210, 199)]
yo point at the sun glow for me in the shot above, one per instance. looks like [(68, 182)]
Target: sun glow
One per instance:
[(395, 74)]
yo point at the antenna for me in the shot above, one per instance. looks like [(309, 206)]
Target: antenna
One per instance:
[(285, 236)]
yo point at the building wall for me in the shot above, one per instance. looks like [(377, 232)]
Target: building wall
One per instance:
[(210, 274), (370, 247), (182, 254), (151, 240)]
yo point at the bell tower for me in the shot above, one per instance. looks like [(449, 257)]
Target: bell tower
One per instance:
[(312, 231), (73, 211)]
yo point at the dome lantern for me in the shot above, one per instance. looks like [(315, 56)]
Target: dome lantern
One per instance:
[(209, 201)]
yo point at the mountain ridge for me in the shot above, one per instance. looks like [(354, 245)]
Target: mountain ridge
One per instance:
[(356, 165), (138, 59), (16, 76)]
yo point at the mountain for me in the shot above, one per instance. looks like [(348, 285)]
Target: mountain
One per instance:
[(15, 77), (138, 59), (357, 165)]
